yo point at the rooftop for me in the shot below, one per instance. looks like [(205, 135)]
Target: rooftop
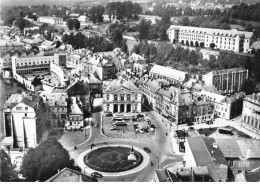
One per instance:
[(120, 83), (54, 99), (168, 72)]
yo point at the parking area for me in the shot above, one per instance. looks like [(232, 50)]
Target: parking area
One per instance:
[(131, 125)]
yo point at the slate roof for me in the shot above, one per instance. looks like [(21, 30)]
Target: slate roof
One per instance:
[(168, 72), (121, 83), (235, 148), (69, 175), (199, 151)]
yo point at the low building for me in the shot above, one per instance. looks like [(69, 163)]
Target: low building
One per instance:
[(227, 80), (10, 46), (69, 175), (31, 31), (50, 20), (121, 96), (56, 109), (173, 76), (83, 18), (241, 154), (249, 176), (251, 112), (203, 152)]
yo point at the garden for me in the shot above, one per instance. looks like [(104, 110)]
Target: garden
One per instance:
[(112, 159)]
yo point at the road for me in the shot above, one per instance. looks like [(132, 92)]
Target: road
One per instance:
[(159, 144)]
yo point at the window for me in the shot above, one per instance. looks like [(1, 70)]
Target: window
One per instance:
[(231, 164), (128, 97), (135, 96), (26, 108), (18, 108), (107, 96), (115, 97), (63, 116), (122, 97), (25, 114)]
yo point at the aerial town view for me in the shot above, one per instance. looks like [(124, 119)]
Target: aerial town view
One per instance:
[(130, 91)]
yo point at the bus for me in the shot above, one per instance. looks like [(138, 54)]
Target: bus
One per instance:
[(225, 131)]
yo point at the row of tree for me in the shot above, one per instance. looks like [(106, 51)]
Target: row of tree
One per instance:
[(96, 43), (123, 10), (73, 23)]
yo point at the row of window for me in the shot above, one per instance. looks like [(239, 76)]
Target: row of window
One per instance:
[(122, 97), (20, 108)]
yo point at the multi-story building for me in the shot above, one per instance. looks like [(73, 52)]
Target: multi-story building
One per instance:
[(122, 96), (251, 112), (51, 20), (227, 107), (29, 64), (12, 46), (75, 115), (56, 109), (233, 40), (173, 76), (31, 31), (21, 118), (227, 80)]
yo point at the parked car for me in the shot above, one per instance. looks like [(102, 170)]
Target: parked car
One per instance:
[(96, 175), (191, 128), (147, 149), (190, 124), (152, 129), (114, 128), (109, 115), (141, 131), (120, 124), (152, 126)]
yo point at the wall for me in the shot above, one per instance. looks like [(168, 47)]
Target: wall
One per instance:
[(57, 71)]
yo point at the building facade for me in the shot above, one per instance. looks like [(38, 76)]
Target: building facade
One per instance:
[(12, 46), (227, 80), (233, 40), (121, 96), (251, 112), (51, 20), (56, 109)]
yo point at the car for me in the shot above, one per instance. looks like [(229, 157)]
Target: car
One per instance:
[(191, 128), (96, 175), (152, 129), (152, 126), (114, 128), (109, 115), (147, 149), (141, 131)]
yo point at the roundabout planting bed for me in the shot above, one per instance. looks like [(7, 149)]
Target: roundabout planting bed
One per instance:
[(112, 159)]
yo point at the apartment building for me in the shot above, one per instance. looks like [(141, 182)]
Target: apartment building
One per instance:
[(122, 96), (56, 109), (75, 116), (50, 20), (251, 112), (173, 76), (226, 80), (233, 40)]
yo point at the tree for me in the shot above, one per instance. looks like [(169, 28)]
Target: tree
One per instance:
[(76, 24), (212, 45), (22, 14), (45, 160), (70, 24), (9, 20), (249, 86), (144, 28), (95, 14), (193, 57), (117, 37), (7, 169)]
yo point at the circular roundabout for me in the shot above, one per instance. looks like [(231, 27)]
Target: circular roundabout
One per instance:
[(113, 160)]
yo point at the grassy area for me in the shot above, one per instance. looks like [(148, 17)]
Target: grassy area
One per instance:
[(112, 159)]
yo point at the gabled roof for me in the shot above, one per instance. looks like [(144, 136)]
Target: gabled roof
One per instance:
[(121, 83), (69, 175), (47, 43), (199, 151), (235, 148), (169, 72)]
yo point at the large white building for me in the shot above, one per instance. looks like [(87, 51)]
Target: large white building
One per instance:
[(51, 20), (233, 40), (122, 96)]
